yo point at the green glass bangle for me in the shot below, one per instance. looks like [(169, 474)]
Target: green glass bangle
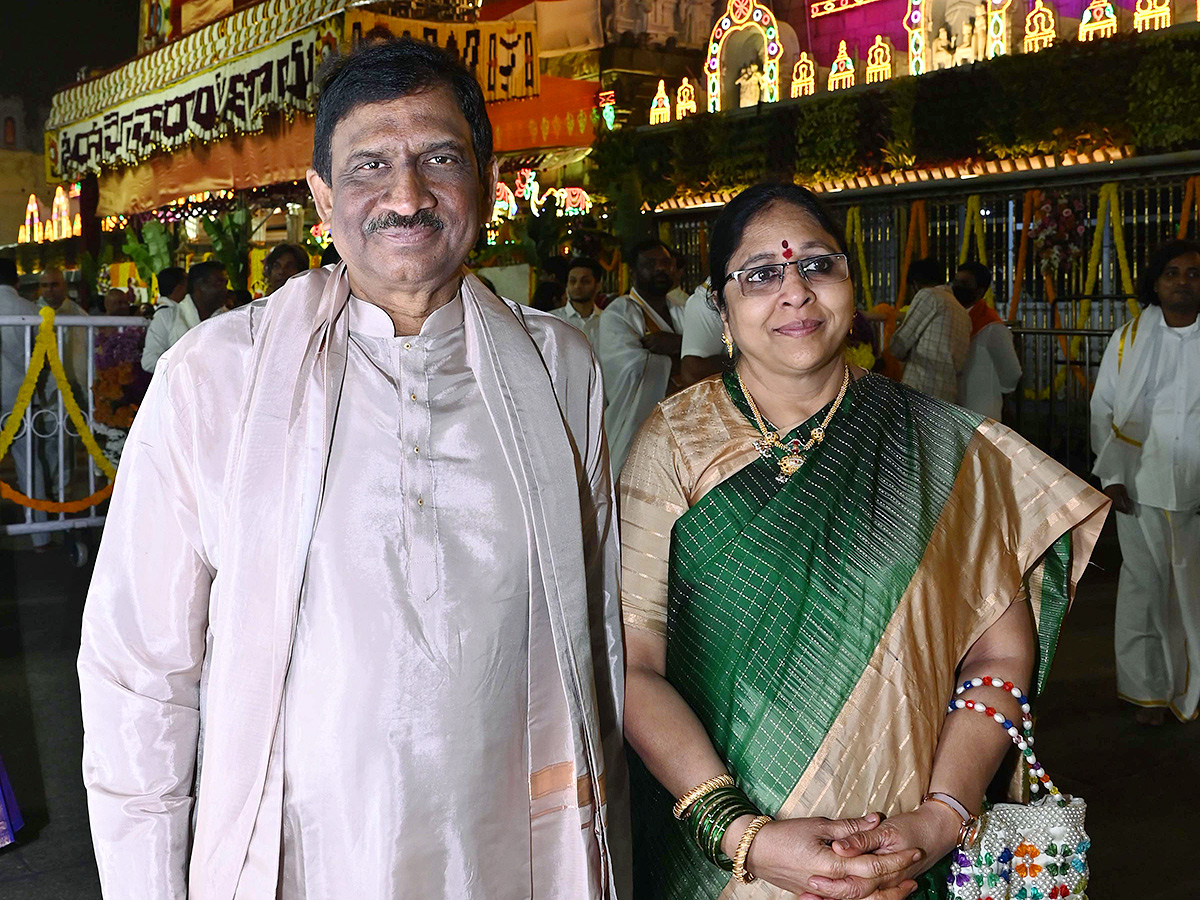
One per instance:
[(710, 817), (703, 815), (714, 853)]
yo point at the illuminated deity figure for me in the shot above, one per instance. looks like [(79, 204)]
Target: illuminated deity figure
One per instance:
[(1099, 20), (964, 53), (660, 108), (943, 50), (979, 35), (685, 100), (804, 77), (750, 86), (879, 61), (841, 73)]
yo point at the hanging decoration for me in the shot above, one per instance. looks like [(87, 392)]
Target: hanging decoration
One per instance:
[(660, 106), (685, 100), (45, 352), (804, 76), (879, 61), (918, 234), (1099, 20), (1151, 15), (1057, 232), (1031, 197), (854, 236), (997, 37), (825, 7), (1040, 28), (973, 227), (841, 73), (1191, 200), (740, 15), (32, 231), (608, 109)]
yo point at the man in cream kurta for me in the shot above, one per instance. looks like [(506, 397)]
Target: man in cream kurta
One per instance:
[(1146, 434), (641, 335), (373, 651)]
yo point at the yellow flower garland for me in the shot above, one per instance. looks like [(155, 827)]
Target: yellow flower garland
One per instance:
[(854, 237), (973, 225), (45, 350)]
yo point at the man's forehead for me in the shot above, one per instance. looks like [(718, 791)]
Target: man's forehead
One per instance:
[(426, 116)]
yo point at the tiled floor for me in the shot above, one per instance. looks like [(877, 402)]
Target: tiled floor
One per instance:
[(1141, 784)]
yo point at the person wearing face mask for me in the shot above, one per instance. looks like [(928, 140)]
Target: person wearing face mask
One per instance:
[(641, 335), (1146, 435), (812, 555)]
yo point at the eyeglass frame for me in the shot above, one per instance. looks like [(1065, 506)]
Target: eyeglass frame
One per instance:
[(799, 271)]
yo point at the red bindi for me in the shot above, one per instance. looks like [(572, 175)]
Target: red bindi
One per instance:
[(787, 251)]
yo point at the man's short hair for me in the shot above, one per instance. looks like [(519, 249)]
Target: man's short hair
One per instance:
[(926, 272), (295, 251), (8, 272), (169, 279), (201, 271), (586, 262), (384, 71), (981, 273), (641, 247)]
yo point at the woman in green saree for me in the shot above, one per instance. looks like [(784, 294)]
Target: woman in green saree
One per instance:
[(812, 556)]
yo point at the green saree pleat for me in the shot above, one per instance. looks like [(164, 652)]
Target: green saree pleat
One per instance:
[(779, 594)]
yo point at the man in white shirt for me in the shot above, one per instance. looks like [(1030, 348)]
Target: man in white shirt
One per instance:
[(935, 335), (1146, 434), (172, 287), (583, 284), (640, 339), (703, 351), (992, 368), (207, 287), (12, 374)]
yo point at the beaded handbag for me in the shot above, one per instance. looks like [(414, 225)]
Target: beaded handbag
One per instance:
[(1016, 851)]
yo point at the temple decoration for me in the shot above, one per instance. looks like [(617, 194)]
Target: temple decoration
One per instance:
[(660, 107), (31, 232), (608, 109), (825, 7), (879, 60), (1151, 15), (997, 36), (685, 100), (1099, 20), (505, 206), (739, 15), (62, 225), (804, 76), (914, 24), (841, 74), (569, 201), (1039, 28)]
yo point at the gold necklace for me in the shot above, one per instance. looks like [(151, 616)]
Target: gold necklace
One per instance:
[(793, 451)]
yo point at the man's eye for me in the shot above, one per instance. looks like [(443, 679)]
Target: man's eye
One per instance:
[(443, 159), (373, 164)]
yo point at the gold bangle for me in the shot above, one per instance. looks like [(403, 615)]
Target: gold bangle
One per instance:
[(700, 790), (743, 849)]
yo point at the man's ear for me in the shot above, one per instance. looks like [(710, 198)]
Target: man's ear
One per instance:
[(488, 201), (322, 195)]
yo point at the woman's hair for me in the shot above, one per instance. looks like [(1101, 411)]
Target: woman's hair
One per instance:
[(731, 224), (1159, 259)]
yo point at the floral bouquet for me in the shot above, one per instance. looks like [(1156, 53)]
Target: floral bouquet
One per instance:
[(120, 384), (1057, 231)]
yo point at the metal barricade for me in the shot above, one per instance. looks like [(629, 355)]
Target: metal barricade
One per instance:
[(50, 460)]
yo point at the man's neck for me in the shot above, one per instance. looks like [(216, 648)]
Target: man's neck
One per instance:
[(657, 302), (1179, 318), (583, 307), (409, 311)]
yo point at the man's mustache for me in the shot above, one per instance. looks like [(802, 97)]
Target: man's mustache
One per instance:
[(421, 219)]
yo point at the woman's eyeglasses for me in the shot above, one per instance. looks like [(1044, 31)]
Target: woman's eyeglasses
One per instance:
[(760, 281)]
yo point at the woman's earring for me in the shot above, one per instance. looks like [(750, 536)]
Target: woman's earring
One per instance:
[(728, 343)]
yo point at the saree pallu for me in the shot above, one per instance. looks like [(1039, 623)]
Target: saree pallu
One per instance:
[(815, 626)]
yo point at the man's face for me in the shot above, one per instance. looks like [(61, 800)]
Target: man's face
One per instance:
[(654, 270), (54, 288), (212, 289), (116, 303), (281, 270), (581, 285), (1178, 287), (405, 200), (965, 282)]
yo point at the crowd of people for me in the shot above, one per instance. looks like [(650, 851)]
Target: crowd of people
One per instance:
[(651, 596)]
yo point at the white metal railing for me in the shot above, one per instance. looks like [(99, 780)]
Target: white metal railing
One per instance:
[(46, 446)]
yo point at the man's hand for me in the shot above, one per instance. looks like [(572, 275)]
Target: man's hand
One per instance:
[(795, 854), (664, 343), (1121, 501)]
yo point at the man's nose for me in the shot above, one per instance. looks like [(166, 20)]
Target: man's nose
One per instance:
[(408, 192)]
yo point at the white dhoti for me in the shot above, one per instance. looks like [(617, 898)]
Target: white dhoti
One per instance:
[(1158, 610)]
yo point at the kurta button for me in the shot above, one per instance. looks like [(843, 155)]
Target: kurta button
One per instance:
[(407, 346), (414, 396), (416, 449), (420, 501)]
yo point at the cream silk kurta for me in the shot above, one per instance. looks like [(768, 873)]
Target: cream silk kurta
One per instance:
[(412, 639), (188, 637)]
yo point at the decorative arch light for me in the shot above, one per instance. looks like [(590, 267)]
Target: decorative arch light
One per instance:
[(997, 37), (879, 60), (1040, 30), (841, 74), (32, 231), (660, 107), (739, 15), (1151, 15), (685, 100), (804, 76), (914, 24), (1099, 20)]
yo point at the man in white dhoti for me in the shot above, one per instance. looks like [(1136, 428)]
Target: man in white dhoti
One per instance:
[(371, 646), (1145, 428), (641, 335)]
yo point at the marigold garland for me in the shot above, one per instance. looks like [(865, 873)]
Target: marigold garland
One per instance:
[(45, 350)]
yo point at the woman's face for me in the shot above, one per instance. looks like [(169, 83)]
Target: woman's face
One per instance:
[(800, 328)]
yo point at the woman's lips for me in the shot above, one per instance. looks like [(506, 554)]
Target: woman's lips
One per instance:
[(802, 328)]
